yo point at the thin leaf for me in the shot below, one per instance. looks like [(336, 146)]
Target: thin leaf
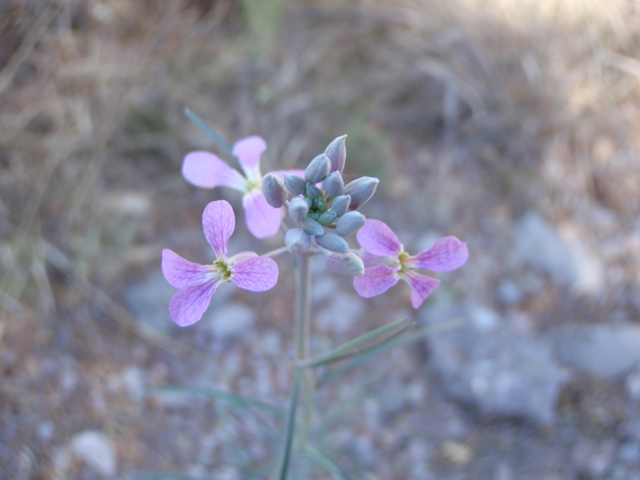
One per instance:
[(204, 126), (343, 351), (402, 340), (291, 423), (236, 400), (326, 462)]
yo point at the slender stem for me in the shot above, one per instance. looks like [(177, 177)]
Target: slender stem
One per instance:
[(291, 424), (276, 252), (303, 306)]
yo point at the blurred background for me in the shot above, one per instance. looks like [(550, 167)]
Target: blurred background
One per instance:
[(510, 124)]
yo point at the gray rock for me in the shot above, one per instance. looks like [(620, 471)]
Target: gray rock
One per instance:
[(45, 430), (500, 370), (538, 243), (602, 350), (96, 450), (231, 320)]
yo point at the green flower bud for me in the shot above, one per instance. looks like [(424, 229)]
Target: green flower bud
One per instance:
[(312, 227), (348, 264), (333, 243), (333, 184), (318, 169), (340, 204), (349, 223), (295, 184), (361, 190), (314, 215), (298, 209), (274, 191), (337, 154), (297, 241), (309, 202), (320, 205), (313, 191), (327, 218)]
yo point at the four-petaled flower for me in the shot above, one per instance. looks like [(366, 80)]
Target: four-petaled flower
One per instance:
[(377, 239), (204, 169), (197, 283)]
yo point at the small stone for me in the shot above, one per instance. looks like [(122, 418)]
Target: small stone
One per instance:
[(509, 293), (231, 320), (45, 430), (457, 453), (96, 450), (133, 380), (629, 453)]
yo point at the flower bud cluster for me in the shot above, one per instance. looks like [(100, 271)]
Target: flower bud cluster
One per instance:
[(323, 206)]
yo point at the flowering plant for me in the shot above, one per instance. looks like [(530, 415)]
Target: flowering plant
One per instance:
[(318, 213)]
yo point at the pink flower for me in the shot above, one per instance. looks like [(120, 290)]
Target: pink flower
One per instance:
[(204, 169), (378, 240), (197, 283)]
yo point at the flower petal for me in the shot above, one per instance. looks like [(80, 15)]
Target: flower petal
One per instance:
[(240, 256), (180, 272), (378, 239), (189, 303), (248, 151), (257, 274), (204, 169), (376, 280), (445, 255), (422, 286), (262, 219), (218, 222)]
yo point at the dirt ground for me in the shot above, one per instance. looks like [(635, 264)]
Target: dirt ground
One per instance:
[(512, 125)]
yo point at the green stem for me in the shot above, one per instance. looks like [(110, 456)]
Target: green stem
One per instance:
[(291, 424)]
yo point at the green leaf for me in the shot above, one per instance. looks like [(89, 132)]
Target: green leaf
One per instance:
[(349, 349), (204, 126), (232, 398), (291, 424), (326, 462), (403, 339)]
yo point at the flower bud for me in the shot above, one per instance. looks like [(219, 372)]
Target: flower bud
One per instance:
[(327, 218), (333, 184), (274, 191), (361, 190), (333, 243), (337, 154), (349, 223), (313, 192), (318, 169), (297, 241), (340, 204), (320, 205), (295, 184), (298, 209), (348, 264), (312, 227)]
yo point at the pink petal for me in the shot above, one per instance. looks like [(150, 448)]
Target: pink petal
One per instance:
[(204, 169), (376, 280), (262, 219), (378, 239), (248, 151), (219, 223), (445, 255), (238, 257), (180, 272), (189, 303), (371, 260), (257, 274), (422, 286)]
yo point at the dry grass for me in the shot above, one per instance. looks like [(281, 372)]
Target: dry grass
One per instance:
[(493, 107)]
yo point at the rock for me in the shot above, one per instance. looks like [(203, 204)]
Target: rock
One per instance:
[(457, 453), (149, 302), (496, 367), (602, 350), (593, 459), (629, 453), (231, 320), (96, 450), (538, 243), (342, 311), (45, 430), (133, 381), (364, 452), (509, 293)]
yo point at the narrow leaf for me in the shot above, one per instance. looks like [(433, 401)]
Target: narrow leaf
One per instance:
[(291, 423), (343, 351), (204, 126), (236, 400), (326, 462)]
